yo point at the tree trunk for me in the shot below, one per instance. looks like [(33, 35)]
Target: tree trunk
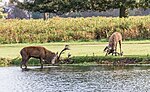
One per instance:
[(123, 10), (45, 16)]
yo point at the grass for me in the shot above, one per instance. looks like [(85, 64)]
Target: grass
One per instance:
[(81, 51), (79, 48)]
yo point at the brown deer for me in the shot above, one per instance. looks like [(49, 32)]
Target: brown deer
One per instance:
[(41, 53), (114, 39)]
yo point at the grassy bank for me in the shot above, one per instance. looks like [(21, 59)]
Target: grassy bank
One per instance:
[(72, 29), (90, 60), (82, 52)]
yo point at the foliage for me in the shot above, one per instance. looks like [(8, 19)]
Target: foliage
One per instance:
[(16, 61), (2, 15), (68, 29), (111, 59), (5, 61), (57, 6), (40, 5)]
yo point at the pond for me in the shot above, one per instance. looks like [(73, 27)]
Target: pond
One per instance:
[(76, 79)]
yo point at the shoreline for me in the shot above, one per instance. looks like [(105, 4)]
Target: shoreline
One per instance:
[(87, 60)]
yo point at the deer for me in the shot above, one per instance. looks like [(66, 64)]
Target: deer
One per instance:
[(114, 39), (41, 53)]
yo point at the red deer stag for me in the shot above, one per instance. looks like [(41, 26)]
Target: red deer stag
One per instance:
[(40, 53), (112, 46)]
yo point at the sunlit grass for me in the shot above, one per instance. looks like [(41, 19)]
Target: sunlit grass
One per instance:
[(130, 48)]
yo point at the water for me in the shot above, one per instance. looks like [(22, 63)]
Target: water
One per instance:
[(76, 79)]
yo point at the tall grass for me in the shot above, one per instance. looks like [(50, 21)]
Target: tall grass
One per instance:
[(67, 29)]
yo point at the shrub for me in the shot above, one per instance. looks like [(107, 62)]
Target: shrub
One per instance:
[(66, 29)]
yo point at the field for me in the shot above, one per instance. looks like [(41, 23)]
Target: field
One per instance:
[(86, 37), (130, 48), (80, 51)]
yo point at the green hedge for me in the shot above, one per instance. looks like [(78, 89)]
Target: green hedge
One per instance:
[(68, 29)]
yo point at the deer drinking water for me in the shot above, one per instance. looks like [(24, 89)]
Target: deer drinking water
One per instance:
[(40, 53), (114, 39)]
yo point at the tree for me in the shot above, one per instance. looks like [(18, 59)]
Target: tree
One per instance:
[(62, 6), (103, 5), (42, 6), (124, 5)]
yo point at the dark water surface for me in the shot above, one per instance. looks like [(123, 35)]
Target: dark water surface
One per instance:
[(76, 79)]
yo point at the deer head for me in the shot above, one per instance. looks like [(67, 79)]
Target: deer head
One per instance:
[(108, 50), (56, 57)]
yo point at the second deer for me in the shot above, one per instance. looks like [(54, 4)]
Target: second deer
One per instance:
[(114, 39)]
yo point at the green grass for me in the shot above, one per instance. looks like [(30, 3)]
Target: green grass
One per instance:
[(79, 48), (81, 51)]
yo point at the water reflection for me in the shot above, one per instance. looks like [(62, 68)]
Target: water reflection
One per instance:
[(76, 79)]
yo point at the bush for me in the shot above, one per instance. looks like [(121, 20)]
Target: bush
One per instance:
[(66, 29)]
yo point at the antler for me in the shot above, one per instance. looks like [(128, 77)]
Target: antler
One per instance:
[(66, 48), (69, 55)]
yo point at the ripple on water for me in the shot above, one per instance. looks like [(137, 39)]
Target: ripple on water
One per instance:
[(75, 79)]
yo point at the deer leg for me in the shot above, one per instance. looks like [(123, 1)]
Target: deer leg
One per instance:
[(115, 50), (120, 48), (25, 63), (41, 62), (22, 63)]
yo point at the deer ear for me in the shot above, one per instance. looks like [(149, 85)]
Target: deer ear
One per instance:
[(56, 53)]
